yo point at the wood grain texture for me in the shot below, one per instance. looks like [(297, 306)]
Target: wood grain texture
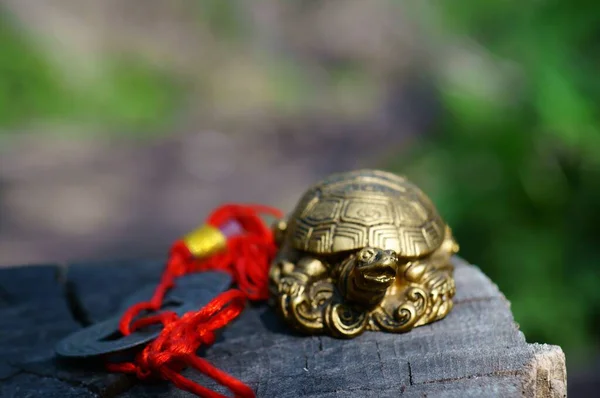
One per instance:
[(477, 351)]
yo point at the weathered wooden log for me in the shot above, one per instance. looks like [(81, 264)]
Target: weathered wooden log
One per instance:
[(477, 351)]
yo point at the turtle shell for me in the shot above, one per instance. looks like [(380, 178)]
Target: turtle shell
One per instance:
[(352, 210)]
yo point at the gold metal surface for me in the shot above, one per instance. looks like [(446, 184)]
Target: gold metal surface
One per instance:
[(205, 241), (363, 250)]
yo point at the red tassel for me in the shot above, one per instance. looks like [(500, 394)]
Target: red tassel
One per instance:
[(246, 258)]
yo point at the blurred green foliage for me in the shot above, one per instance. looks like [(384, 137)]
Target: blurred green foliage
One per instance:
[(515, 164), (128, 96)]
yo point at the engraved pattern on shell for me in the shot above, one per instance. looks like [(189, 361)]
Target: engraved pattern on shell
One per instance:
[(348, 211)]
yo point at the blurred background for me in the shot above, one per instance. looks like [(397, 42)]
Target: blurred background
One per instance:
[(123, 123)]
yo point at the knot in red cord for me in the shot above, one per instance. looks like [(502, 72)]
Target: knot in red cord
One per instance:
[(248, 256)]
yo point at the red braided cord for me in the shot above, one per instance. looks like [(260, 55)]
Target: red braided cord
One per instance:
[(247, 259)]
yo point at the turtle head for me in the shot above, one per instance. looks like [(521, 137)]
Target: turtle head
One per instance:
[(376, 267)]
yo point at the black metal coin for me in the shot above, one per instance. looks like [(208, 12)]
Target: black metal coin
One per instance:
[(191, 292)]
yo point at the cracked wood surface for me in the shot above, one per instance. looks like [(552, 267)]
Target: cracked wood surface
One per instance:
[(477, 351)]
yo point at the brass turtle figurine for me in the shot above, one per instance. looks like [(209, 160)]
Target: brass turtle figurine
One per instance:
[(363, 250)]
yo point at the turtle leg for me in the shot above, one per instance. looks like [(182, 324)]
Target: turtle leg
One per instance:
[(441, 257), (300, 291), (424, 295)]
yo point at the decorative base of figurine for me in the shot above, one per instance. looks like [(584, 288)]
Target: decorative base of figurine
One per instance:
[(316, 297)]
